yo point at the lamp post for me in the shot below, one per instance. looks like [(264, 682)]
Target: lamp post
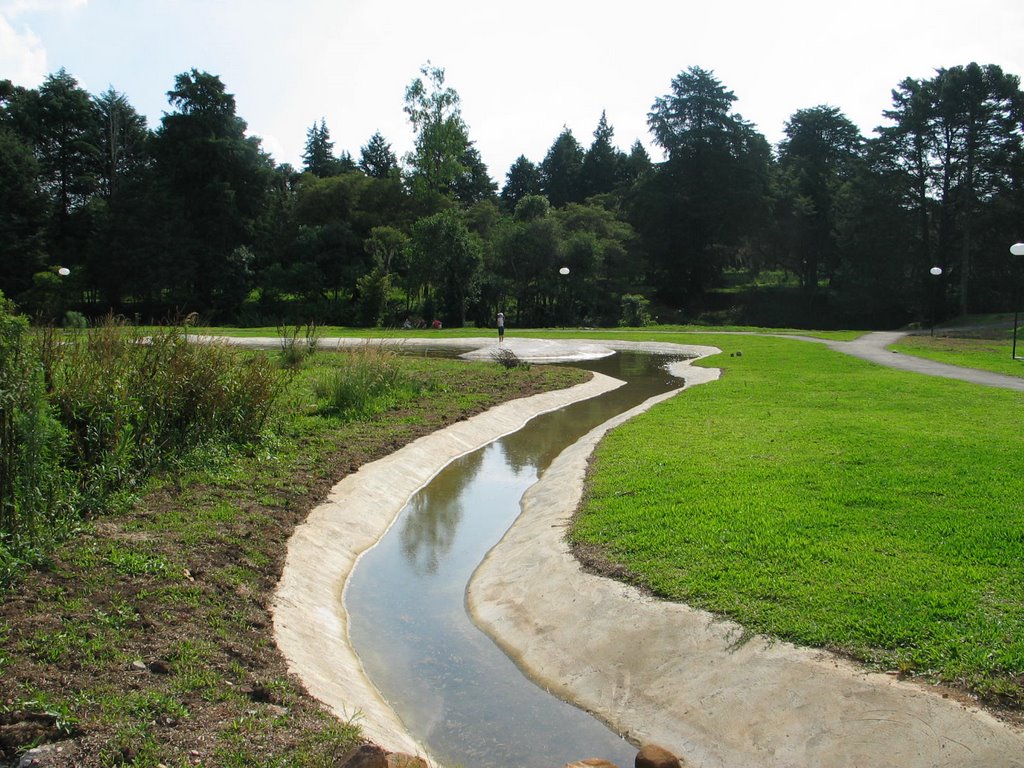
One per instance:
[(563, 291), (935, 272), (1017, 249)]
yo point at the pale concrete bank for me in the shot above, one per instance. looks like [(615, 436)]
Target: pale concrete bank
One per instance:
[(310, 624), (657, 671), (666, 673)]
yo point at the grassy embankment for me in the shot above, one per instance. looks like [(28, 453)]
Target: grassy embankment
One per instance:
[(145, 639), (834, 503)]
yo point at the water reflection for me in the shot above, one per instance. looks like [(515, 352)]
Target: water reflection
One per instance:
[(451, 685), (432, 516)]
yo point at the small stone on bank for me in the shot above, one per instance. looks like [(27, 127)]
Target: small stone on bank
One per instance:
[(653, 756)]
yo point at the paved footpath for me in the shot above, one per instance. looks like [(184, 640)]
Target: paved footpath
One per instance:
[(873, 347)]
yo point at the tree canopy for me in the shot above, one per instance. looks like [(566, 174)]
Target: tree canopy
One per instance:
[(101, 213)]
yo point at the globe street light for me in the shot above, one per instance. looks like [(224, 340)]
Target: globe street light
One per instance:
[(935, 272), (1017, 249), (563, 288)]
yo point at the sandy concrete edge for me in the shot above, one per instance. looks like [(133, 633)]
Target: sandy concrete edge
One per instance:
[(663, 672), (310, 623)]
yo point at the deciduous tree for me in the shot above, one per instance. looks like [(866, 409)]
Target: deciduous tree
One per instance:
[(448, 257), (437, 163)]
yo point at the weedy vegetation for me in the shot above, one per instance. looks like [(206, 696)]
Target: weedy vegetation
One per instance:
[(508, 359), (298, 343), (137, 631)]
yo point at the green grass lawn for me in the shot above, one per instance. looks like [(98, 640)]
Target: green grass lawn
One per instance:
[(831, 502), (990, 351), (650, 333)]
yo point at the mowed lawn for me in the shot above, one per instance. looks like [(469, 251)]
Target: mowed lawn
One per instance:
[(828, 501), (992, 352)]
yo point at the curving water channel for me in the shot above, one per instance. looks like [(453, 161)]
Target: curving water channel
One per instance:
[(454, 689)]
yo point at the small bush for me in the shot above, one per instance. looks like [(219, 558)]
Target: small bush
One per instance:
[(508, 359), (35, 489), (74, 319), (636, 311), (368, 380), (293, 351), (132, 402)]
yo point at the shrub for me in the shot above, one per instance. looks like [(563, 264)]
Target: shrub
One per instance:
[(635, 311), (35, 489), (132, 402), (367, 381), (293, 352)]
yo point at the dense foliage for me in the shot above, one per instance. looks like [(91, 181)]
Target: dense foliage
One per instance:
[(84, 415), (830, 227)]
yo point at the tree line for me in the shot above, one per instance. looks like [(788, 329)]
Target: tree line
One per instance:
[(100, 213)]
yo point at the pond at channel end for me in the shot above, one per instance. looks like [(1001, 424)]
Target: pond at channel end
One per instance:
[(454, 689)]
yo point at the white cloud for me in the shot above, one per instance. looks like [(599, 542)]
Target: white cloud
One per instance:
[(22, 55), (12, 8), (269, 144)]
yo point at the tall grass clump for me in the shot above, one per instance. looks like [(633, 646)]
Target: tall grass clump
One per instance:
[(365, 381), (35, 489), (295, 351), (133, 402)]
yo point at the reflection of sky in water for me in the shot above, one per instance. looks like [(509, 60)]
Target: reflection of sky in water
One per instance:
[(451, 685)]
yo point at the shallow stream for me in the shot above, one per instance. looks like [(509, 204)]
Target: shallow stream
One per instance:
[(455, 690)]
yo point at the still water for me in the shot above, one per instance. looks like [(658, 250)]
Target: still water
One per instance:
[(454, 689)]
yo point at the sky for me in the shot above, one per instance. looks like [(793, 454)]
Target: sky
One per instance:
[(524, 70)]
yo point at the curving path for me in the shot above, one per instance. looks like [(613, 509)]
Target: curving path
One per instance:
[(661, 671), (873, 347)]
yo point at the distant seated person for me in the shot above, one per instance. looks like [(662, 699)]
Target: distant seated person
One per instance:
[(436, 325), (407, 325)]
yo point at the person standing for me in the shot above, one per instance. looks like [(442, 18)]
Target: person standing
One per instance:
[(501, 327)]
